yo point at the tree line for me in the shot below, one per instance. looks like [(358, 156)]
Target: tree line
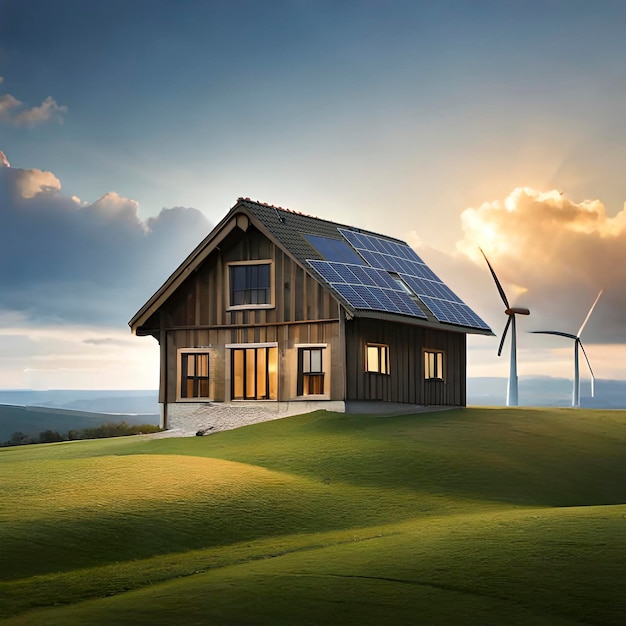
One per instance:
[(117, 429)]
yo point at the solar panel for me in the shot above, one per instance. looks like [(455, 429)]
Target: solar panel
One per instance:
[(334, 249), (397, 257), (368, 288)]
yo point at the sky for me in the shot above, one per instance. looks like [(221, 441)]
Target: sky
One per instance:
[(129, 128)]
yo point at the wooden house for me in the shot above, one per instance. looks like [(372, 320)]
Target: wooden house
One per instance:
[(277, 313)]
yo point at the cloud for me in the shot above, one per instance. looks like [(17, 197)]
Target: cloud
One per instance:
[(13, 111), (66, 261), (47, 110), (7, 104), (552, 255)]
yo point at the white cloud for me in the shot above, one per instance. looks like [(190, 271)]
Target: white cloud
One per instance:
[(7, 104), (47, 110), (14, 111), (29, 183)]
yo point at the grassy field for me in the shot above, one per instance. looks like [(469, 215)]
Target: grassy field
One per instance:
[(475, 516)]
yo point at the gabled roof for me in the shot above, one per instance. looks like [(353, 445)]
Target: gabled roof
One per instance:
[(370, 274)]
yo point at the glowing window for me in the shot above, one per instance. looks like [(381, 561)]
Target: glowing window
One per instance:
[(254, 373), (433, 364), (194, 375), (310, 371), (377, 358)]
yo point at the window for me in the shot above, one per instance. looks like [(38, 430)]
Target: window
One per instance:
[(310, 371), (194, 375), (433, 364), (250, 284), (254, 373), (377, 358)]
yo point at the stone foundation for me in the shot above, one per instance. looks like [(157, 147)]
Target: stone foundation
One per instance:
[(191, 417)]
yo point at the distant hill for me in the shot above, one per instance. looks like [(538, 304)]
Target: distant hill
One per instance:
[(96, 401), (31, 420), (546, 391)]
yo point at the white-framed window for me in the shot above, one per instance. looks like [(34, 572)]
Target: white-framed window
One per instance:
[(311, 373), (254, 371), (377, 358), (194, 380), (434, 364), (250, 284)]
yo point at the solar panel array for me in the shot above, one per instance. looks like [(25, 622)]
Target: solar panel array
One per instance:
[(366, 287), (369, 285)]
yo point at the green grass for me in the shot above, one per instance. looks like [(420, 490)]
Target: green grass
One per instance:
[(475, 516)]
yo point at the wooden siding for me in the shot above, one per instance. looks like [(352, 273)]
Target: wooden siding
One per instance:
[(405, 382), (287, 336), (202, 300), (197, 315)]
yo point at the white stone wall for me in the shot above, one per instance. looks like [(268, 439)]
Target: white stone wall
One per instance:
[(190, 417)]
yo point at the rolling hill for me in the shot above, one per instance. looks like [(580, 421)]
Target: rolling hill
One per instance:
[(32, 420), (474, 516)]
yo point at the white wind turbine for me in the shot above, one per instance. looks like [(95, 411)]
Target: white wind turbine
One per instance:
[(511, 394), (577, 343)]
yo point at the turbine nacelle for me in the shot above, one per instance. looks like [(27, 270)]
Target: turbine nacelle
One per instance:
[(517, 311)]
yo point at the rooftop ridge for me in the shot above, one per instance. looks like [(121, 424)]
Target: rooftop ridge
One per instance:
[(278, 208), (365, 231)]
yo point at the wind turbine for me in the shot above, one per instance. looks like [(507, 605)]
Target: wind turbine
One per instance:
[(511, 394), (577, 343)]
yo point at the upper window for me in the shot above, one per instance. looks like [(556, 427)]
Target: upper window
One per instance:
[(433, 364), (377, 358), (310, 371), (194, 375), (250, 284)]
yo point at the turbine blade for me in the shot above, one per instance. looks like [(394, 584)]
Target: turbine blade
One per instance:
[(498, 285), (506, 328), (580, 343), (593, 306), (554, 332)]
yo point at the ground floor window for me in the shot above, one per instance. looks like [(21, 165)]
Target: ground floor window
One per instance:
[(194, 375), (310, 371), (377, 358), (433, 364), (254, 374)]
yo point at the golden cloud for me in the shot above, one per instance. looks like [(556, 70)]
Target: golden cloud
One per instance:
[(557, 253)]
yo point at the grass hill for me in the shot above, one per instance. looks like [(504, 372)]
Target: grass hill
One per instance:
[(474, 516), (32, 420)]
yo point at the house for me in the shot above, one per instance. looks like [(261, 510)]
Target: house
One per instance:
[(277, 313)]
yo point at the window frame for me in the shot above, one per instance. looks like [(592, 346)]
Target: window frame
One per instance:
[(181, 379), (229, 286), (270, 377), (434, 361), (320, 374), (382, 350)]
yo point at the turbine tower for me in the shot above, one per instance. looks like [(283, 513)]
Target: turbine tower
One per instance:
[(577, 343), (511, 394)]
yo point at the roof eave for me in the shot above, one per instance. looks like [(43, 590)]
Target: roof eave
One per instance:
[(418, 321)]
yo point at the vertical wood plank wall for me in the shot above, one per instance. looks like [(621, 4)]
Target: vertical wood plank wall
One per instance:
[(405, 382), (202, 302)]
